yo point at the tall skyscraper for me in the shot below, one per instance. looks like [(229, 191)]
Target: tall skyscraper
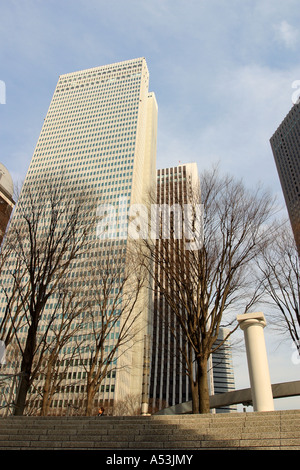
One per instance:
[(221, 372), (169, 382), (100, 132), (285, 144)]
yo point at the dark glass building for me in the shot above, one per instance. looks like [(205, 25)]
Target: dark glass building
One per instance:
[(285, 144)]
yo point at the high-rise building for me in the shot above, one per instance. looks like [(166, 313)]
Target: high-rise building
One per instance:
[(100, 132), (6, 199), (169, 382), (221, 372), (285, 144)]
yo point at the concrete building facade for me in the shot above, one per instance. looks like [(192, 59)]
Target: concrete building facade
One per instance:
[(100, 131), (169, 382)]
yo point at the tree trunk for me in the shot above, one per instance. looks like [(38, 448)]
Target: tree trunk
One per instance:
[(195, 397), (203, 386), (26, 367), (22, 393), (46, 392), (90, 399)]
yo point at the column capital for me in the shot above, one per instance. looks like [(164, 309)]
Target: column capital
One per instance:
[(248, 319)]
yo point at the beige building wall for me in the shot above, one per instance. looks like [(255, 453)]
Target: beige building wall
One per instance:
[(132, 361), (99, 135)]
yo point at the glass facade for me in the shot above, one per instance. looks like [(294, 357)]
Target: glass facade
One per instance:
[(285, 144)]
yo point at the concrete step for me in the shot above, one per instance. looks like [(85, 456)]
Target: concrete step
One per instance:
[(270, 430)]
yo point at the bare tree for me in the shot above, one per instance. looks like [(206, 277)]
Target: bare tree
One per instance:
[(50, 230), (129, 406), (14, 289), (280, 282), (207, 285), (64, 325), (114, 313)]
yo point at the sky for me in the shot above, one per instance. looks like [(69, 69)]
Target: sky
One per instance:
[(222, 72)]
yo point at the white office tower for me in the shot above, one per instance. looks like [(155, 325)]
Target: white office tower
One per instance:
[(99, 136)]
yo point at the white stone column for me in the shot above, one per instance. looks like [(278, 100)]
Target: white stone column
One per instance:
[(253, 326)]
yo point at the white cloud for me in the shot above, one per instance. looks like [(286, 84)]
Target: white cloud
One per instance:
[(287, 34), (232, 123)]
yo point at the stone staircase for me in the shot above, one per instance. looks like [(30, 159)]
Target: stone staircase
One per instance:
[(268, 430)]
